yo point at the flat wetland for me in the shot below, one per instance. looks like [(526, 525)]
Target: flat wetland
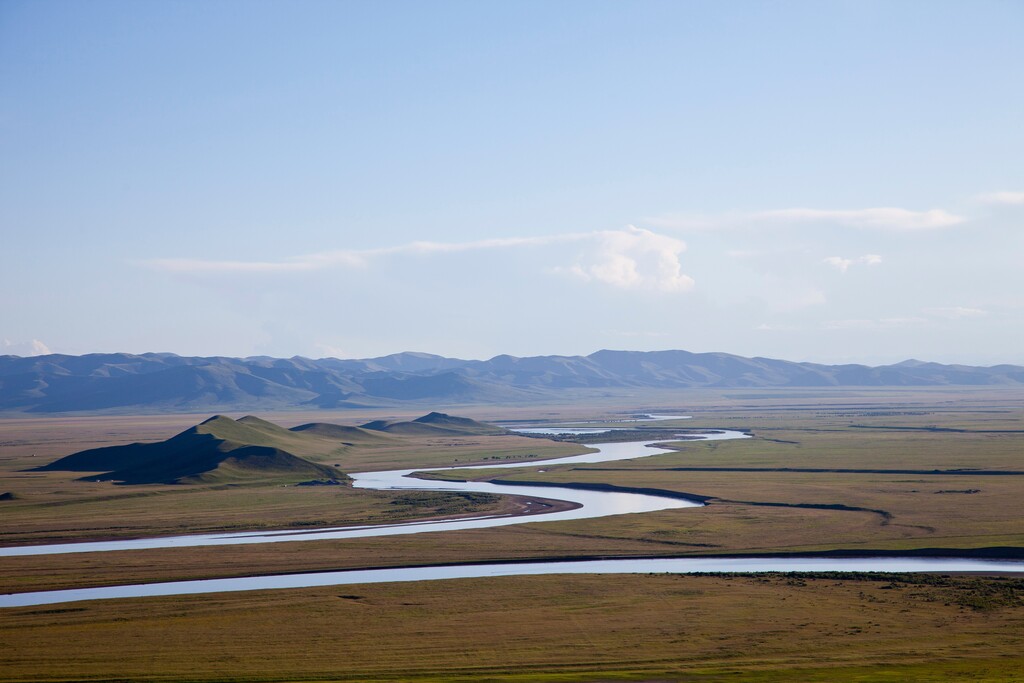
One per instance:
[(938, 471)]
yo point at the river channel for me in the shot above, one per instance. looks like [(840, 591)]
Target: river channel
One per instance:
[(588, 504)]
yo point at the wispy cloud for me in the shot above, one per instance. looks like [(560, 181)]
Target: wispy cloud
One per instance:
[(956, 312), (884, 218), (776, 327), (351, 258), (184, 265), (631, 258), (496, 243), (875, 323), (878, 218), (1001, 197), (843, 264)]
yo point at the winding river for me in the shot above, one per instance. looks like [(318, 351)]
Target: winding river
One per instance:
[(587, 504)]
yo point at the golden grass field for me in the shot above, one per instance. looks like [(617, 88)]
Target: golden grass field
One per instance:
[(573, 629), (542, 628)]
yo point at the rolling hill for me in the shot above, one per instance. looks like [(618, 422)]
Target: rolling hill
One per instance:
[(215, 451), (438, 424), (346, 435), (162, 382)]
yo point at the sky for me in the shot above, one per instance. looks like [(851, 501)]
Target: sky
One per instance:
[(823, 181)]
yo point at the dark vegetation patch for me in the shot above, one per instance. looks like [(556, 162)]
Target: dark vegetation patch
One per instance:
[(445, 502), (886, 516), (934, 428), (59, 610), (589, 486), (977, 593)]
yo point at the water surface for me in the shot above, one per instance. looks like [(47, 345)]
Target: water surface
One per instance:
[(587, 504), (625, 566)]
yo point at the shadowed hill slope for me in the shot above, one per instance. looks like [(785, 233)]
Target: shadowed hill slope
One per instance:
[(217, 450)]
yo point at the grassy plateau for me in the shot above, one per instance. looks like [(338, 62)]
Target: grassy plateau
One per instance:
[(937, 471)]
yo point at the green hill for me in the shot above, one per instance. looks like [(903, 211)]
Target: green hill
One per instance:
[(438, 424), (217, 450), (347, 435)]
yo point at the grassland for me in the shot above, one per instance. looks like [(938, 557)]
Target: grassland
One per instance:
[(59, 506), (827, 471), (761, 501), (546, 628)]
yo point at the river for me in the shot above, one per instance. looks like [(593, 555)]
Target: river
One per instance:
[(590, 504), (587, 504)]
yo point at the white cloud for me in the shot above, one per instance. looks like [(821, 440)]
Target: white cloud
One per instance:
[(875, 324), (633, 258), (351, 258), (200, 266), (329, 351), (839, 263), (884, 218), (497, 243), (956, 312), (1001, 198), (878, 218), (843, 264), (775, 327), (29, 348)]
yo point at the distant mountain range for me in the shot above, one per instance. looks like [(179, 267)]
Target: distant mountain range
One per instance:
[(150, 382)]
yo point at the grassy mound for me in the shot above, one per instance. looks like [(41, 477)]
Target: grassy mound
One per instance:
[(218, 450), (436, 424)]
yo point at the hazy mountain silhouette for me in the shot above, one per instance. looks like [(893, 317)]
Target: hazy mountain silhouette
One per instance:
[(150, 382)]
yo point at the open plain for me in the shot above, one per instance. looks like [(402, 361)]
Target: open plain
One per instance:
[(935, 472)]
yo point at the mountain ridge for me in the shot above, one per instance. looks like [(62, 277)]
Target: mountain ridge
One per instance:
[(149, 382)]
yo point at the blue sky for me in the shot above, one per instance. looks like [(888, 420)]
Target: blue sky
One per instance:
[(830, 181)]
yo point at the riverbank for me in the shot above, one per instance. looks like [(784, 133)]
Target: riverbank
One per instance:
[(536, 628)]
